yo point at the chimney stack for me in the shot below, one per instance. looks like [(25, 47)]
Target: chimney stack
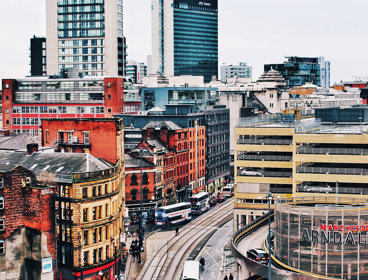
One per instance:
[(32, 148)]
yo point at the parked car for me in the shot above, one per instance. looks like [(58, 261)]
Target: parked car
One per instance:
[(319, 188), (212, 201), (258, 255), (220, 198), (250, 173)]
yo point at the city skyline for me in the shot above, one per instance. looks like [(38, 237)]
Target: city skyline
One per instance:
[(299, 29)]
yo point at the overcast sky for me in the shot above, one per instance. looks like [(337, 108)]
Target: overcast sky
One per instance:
[(256, 32)]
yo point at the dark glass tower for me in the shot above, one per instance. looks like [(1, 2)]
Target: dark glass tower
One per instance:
[(185, 37)]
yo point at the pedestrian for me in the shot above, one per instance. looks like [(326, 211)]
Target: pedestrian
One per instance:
[(225, 278), (133, 252), (231, 277), (176, 231)]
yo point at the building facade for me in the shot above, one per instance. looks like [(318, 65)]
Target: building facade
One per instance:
[(298, 71), (185, 38), (86, 35), (135, 71), (27, 101), (217, 136), (38, 56), (241, 71), (303, 158)]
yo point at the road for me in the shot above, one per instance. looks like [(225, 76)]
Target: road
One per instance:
[(166, 252), (213, 252), (255, 240)]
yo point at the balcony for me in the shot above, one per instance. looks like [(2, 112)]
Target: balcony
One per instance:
[(74, 142)]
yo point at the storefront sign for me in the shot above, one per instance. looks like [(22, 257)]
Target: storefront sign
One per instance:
[(337, 234)]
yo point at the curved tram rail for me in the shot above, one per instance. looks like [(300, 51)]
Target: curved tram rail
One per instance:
[(167, 262)]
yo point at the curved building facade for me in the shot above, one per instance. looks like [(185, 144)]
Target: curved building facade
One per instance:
[(323, 237)]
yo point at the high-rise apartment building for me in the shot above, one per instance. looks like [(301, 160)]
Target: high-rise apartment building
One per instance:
[(185, 37), (87, 35), (241, 71), (300, 70)]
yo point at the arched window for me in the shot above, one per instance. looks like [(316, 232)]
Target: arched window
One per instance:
[(133, 180), (134, 194)]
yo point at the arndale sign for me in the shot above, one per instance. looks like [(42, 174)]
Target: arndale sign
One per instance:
[(333, 234)]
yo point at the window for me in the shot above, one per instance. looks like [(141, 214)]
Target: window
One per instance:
[(85, 257), (2, 224), (93, 191), (85, 237), (2, 202), (47, 136), (2, 247), (95, 235), (145, 194), (99, 234), (85, 215), (145, 178), (86, 137), (85, 192), (133, 180), (134, 194), (94, 213), (1, 182)]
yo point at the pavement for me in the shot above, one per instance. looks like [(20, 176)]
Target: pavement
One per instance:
[(152, 243), (213, 253)]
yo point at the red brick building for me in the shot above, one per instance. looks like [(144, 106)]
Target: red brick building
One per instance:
[(103, 138), (27, 223), (187, 163), (27, 101)]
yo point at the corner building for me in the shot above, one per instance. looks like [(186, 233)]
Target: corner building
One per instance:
[(87, 35), (185, 37)]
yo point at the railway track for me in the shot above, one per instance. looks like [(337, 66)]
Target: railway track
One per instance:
[(167, 261)]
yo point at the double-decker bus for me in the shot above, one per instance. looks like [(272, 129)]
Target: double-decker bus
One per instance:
[(172, 214), (200, 203)]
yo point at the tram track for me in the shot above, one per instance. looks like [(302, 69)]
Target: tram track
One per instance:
[(166, 262)]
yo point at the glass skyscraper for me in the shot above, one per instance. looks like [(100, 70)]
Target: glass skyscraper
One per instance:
[(87, 35), (185, 37)]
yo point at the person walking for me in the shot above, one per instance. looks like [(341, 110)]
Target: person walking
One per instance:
[(225, 278), (231, 277), (133, 251), (176, 231)]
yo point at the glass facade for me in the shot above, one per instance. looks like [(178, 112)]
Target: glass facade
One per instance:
[(196, 38), (323, 238)]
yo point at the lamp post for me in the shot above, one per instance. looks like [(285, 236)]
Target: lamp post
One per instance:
[(269, 199), (140, 214)]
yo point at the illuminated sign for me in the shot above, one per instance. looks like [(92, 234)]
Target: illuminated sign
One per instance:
[(196, 3), (337, 234)]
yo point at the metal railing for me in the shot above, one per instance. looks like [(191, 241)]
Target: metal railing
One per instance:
[(327, 170), (265, 158), (266, 141), (332, 151), (96, 175), (74, 141)]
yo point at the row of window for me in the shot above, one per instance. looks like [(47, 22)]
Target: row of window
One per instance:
[(58, 110), (100, 234), (98, 190), (84, 59), (98, 255), (83, 42), (25, 121), (84, 50), (100, 212), (82, 33), (79, 2)]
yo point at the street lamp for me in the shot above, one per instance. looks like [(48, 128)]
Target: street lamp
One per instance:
[(269, 198), (140, 212)]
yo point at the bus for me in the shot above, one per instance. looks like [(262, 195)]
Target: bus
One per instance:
[(228, 190), (200, 203), (190, 270), (172, 214)]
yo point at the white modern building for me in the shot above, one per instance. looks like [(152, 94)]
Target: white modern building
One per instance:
[(87, 35), (241, 71)]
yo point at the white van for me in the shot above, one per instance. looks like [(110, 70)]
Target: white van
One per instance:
[(190, 270)]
